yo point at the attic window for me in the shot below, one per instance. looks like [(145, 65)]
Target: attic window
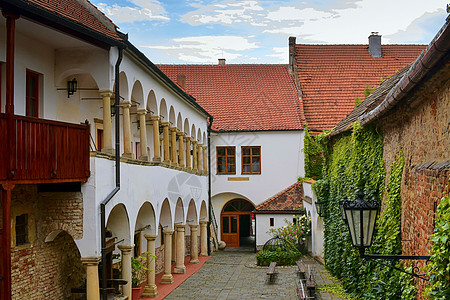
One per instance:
[(21, 230), (272, 222)]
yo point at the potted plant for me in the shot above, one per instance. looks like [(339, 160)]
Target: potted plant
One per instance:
[(138, 272)]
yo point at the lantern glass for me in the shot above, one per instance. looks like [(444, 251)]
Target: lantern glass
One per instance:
[(341, 208), (361, 217), (319, 208)]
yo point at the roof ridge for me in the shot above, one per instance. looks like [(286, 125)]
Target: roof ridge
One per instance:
[(274, 197)]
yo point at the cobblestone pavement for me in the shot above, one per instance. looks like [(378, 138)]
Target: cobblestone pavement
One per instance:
[(233, 274)]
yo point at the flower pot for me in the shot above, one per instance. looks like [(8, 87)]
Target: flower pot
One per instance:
[(135, 293)]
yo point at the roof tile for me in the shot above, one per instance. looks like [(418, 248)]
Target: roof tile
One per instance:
[(289, 200)]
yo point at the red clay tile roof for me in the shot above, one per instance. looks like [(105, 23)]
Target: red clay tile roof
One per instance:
[(287, 201), (243, 97), (332, 76), (74, 11)]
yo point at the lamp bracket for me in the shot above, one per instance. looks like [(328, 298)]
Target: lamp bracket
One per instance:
[(415, 269)]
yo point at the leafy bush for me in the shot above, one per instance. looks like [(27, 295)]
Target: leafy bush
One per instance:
[(283, 257), (139, 270)]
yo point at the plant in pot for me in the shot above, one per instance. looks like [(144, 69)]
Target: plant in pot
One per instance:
[(138, 273)]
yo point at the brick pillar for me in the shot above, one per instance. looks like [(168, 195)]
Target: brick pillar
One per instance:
[(150, 289), (107, 127), (179, 263), (126, 268), (194, 244), (127, 130), (156, 141), (143, 134), (92, 281), (167, 278), (165, 126), (181, 149)]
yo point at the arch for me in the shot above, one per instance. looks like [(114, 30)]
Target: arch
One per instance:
[(199, 136), (165, 215), (203, 211), (193, 132), (191, 216), (123, 86), (83, 77), (179, 122), (236, 223), (172, 117), (163, 111), (152, 105), (179, 211), (118, 224), (137, 94), (145, 224), (186, 127)]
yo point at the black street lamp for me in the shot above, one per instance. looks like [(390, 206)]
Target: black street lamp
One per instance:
[(72, 86), (360, 216), (319, 208), (341, 208)]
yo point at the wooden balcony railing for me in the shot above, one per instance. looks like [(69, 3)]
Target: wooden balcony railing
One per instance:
[(45, 151)]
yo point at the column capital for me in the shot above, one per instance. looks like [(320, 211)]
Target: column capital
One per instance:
[(164, 124), (194, 142), (180, 227), (173, 129), (181, 133), (193, 226), (90, 261), (187, 138), (150, 237), (125, 104), (142, 111), (205, 147), (106, 93), (125, 248), (168, 231), (155, 118), (200, 145), (203, 223)]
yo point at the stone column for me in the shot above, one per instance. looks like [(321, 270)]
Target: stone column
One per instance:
[(167, 277), (181, 149), (188, 152), (194, 244), (174, 158), (174, 246), (179, 263), (143, 133), (107, 127), (194, 156), (150, 289), (126, 130), (205, 160), (156, 142), (203, 238), (92, 283), (200, 158), (126, 268), (165, 126)]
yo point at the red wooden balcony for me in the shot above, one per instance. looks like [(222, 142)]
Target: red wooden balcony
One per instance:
[(45, 151)]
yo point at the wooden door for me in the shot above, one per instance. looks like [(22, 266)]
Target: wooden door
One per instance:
[(1, 265), (230, 229)]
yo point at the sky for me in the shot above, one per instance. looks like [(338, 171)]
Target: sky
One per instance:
[(249, 31)]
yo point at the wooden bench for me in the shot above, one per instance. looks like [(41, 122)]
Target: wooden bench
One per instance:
[(271, 272), (301, 270), (307, 287)]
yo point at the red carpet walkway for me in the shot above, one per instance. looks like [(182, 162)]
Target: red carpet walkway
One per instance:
[(166, 289)]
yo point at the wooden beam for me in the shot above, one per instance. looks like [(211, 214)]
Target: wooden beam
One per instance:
[(6, 242)]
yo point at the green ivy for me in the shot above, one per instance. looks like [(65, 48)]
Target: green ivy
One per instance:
[(354, 161), (313, 156), (439, 287)]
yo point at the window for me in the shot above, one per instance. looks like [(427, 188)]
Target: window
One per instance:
[(226, 160), (22, 229), (251, 160), (272, 223), (32, 94), (99, 139)]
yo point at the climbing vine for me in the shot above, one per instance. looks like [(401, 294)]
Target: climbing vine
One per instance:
[(313, 156), (354, 161), (439, 287)]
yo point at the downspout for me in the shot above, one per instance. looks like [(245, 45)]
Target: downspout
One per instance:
[(117, 188), (211, 118)]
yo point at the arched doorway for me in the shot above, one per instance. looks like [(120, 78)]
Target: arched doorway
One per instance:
[(236, 223)]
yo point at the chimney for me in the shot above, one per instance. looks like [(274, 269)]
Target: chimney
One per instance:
[(292, 59), (181, 80), (221, 61), (375, 45)]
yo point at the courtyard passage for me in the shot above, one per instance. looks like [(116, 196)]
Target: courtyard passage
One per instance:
[(233, 274)]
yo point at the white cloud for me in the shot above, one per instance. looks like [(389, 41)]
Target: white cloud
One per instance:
[(144, 10), (282, 53), (207, 49), (290, 13)]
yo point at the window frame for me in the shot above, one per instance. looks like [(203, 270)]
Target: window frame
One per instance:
[(226, 160), (24, 234), (35, 98), (251, 159)]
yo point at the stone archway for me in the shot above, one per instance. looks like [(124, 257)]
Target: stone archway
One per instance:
[(236, 223)]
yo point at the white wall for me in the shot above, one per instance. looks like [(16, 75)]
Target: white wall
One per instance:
[(316, 221), (263, 226)]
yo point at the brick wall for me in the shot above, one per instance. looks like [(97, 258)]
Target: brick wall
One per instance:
[(421, 129), (46, 270)]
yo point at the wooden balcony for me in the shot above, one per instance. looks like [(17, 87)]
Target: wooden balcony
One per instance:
[(45, 151)]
